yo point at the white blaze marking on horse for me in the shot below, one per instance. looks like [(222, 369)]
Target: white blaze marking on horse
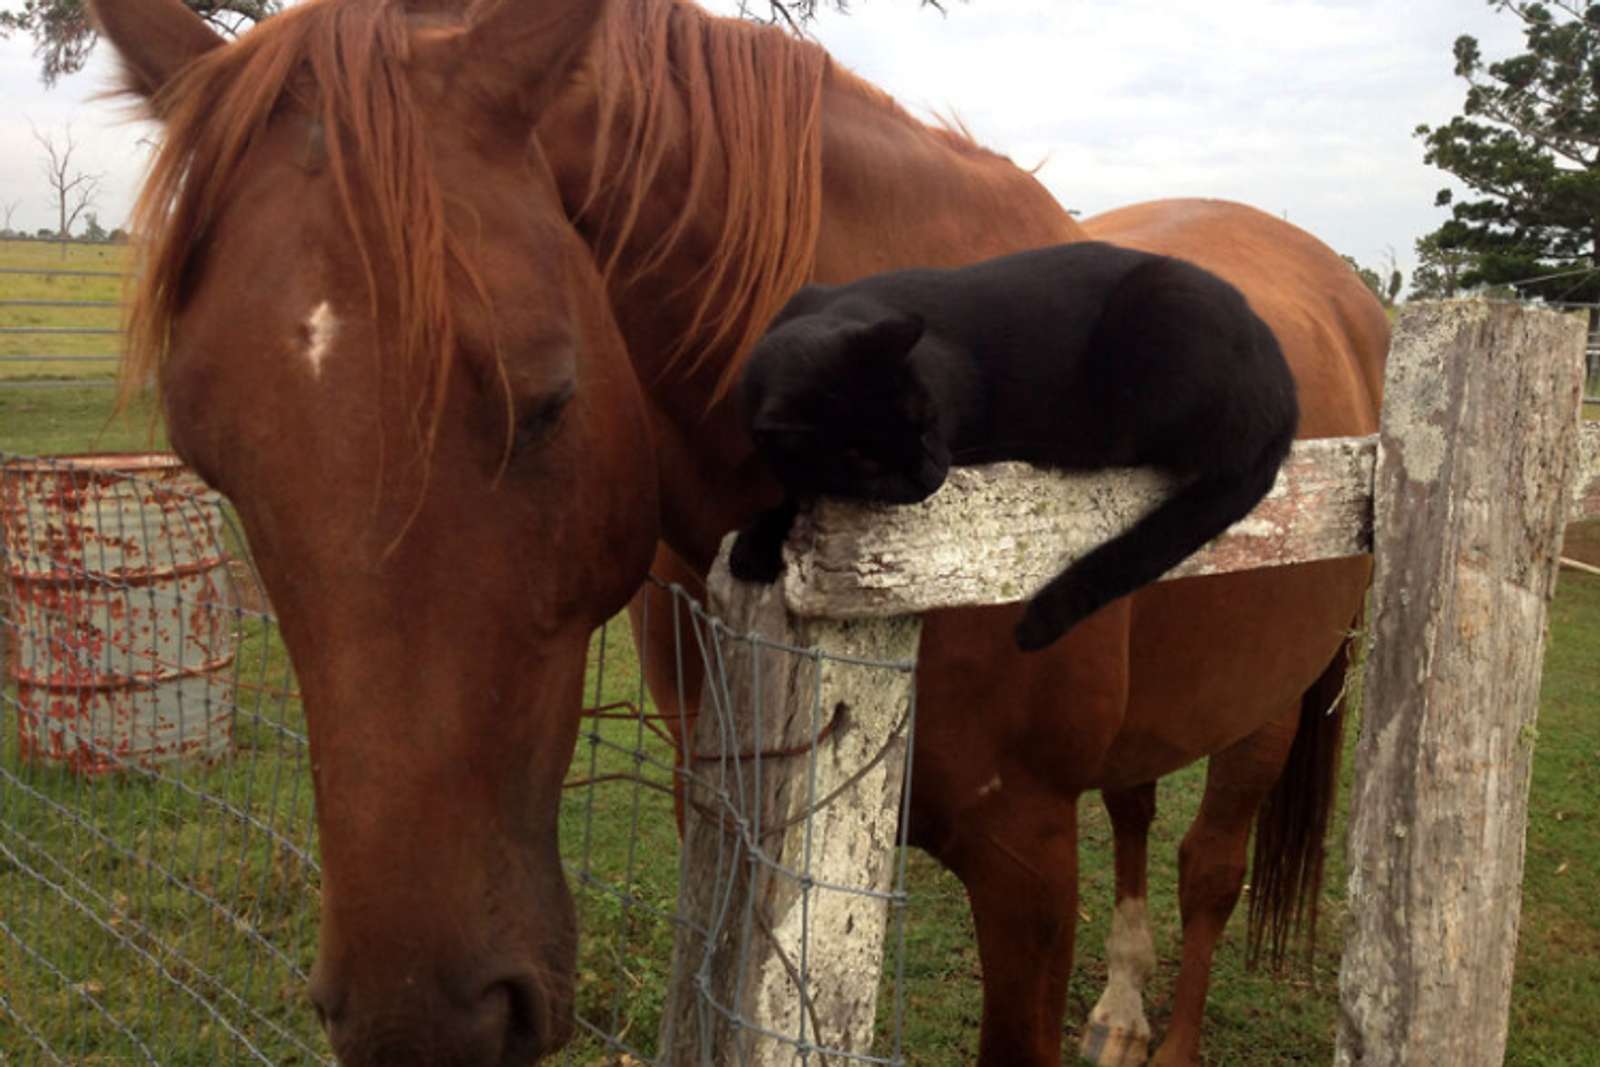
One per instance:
[(323, 326), (1131, 959)]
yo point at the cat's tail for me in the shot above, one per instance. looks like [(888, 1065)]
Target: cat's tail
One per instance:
[(1165, 537)]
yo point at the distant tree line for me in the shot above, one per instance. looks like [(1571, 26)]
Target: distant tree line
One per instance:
[(92, 234)]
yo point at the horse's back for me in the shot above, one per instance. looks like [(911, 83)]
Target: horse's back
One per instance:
[(1212, 658), (1331, 328)]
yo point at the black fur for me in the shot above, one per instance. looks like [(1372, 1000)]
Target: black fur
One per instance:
[(1078, 357)]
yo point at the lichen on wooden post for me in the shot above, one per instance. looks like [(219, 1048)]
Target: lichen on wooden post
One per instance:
[(1477, 456), (995, 534)]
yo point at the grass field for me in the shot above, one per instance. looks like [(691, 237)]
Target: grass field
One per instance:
[(59, 302), (622, 846)]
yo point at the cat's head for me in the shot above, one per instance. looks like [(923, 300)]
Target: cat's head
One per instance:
[(837, 408)]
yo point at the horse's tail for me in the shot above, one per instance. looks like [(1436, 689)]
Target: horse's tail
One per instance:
[(1286, 876)]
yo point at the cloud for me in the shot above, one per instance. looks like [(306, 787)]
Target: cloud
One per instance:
[(107, 142), (1300, 107)]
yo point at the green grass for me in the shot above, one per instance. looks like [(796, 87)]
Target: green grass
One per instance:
[(43, 257), (71, 418), (620, 874)]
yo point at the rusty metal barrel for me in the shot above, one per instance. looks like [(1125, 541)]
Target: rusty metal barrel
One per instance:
[(125, 630)]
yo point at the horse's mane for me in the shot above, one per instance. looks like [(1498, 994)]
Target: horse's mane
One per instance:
[(345, 63), (752, 95)]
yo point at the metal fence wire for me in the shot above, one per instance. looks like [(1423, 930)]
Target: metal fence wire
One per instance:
[(54, 333), (158, 856)]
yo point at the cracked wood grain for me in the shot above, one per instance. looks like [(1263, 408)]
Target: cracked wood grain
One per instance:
[(1478, 456)]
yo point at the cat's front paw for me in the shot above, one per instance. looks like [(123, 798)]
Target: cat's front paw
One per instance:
[(755, 559)]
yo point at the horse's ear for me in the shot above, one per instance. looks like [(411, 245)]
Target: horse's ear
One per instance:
[(155, 38), (527, 49)]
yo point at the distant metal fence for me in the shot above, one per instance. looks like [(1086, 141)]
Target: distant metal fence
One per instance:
[(12, 307), (158, 858)]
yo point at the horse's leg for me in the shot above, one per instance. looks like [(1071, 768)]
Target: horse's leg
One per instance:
[(1117, 1033), (1211, 870), (1020, 869), (999, 759)]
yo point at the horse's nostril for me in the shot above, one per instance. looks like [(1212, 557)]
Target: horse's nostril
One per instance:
[(324, 1000), (509, 1022), (516, 1001)]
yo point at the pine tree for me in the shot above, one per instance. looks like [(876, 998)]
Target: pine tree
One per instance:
[(1440, 264), (1528, 146)]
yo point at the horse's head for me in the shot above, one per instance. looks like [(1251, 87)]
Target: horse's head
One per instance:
[(375, 331)]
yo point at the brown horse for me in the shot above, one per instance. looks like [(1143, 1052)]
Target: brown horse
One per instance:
[(376, 332)]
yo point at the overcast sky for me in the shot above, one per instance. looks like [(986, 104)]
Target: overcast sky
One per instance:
[(1300, 107)]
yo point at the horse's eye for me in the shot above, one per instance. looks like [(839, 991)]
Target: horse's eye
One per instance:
[(539, 418)]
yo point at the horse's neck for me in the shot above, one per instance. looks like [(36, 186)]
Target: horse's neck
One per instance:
[(894, 194), (898, 194)]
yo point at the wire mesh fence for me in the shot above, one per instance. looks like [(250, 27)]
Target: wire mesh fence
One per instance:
[(156, 839), (158, 859)]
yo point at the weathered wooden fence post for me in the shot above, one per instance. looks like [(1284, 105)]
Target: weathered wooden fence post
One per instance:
[(793, 809), (1478, 454)]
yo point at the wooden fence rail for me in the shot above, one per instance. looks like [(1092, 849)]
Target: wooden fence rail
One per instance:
[(1462, 497)]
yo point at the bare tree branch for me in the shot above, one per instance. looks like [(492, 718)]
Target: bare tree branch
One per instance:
[(1578, 9), (74, 191), (796, 13), (1537, 130)]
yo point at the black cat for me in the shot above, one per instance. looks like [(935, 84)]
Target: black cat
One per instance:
[(1077, 357)]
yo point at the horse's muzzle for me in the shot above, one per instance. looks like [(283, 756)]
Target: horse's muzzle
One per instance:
[(509, 1022)]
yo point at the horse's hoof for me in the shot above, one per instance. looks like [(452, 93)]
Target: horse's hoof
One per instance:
[(1113, 1046)]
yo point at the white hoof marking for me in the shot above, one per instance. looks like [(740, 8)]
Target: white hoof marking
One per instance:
[(1130, 960)]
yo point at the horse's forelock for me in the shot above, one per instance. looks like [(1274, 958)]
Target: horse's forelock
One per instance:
[(345, 63)]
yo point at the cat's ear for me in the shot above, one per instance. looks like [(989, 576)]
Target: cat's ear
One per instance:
[(893, 336)]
